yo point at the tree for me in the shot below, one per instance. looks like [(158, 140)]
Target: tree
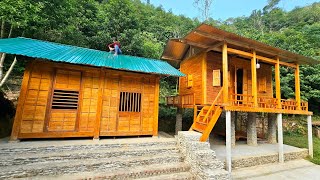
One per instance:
[(15, 15), (204, 7)]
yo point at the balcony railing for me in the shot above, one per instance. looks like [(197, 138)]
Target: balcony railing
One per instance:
[(241, 100), (181, 100)]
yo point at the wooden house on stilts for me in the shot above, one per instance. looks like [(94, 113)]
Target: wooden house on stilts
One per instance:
[(227, 72), (70, 91)]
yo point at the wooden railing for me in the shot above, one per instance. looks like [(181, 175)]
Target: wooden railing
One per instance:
[(288, 104), (181, 100), (267, 102), (241, 100), (212, 108)]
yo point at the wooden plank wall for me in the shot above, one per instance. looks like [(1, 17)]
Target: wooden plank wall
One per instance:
[(214, 62), (36, 119), (192, 66)]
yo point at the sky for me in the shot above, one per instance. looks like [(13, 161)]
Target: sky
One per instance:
[(224, 9)]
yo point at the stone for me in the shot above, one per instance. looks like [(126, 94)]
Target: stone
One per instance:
[(272, 128), (252, 130)]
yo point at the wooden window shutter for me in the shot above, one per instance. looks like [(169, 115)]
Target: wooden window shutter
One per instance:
[(65, 99), (216, 77), (262, 84), (189, 81)]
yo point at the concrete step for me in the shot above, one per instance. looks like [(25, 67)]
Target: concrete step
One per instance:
[(154, 171), (30, 158), (47, 147), (173, 176), (76, 166)]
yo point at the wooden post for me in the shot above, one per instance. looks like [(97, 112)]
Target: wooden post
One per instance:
[(225, 72), (277, 81), (297, 85), (310, 142), (280, 138), (23, 93), (156, 108), (228, 141), (99, 106), (254, 78)]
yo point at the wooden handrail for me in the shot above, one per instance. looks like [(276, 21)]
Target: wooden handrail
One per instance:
[(212, 106)]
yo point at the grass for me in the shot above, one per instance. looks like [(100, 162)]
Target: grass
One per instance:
[(301, 141)]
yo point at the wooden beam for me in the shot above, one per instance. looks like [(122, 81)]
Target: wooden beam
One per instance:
[(193, 43), (254, 79), (156, 107), (23, 92), (225, 72), (204, 78), (170, 58), (99, 105), (261, 58), (297, 85), (215, 46), (277, 81)]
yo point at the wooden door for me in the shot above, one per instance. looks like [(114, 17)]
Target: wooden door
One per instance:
[(64, 102)]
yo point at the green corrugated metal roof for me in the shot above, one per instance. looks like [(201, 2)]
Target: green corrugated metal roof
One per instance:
[(78, 55)]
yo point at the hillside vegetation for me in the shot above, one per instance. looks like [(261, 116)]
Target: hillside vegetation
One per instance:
[(143, 30)]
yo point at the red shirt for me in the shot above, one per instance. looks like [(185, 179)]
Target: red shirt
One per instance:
[(113, 44)]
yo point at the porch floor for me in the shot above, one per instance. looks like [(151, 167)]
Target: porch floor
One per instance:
[(247, 156)]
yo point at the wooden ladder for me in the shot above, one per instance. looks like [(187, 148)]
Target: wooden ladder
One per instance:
[(207, 118)]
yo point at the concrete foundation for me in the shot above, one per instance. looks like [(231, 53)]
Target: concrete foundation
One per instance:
[(178, 120), (233, 129), (272, 129), (252, 129)]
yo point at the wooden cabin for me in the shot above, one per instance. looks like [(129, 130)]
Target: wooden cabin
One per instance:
[(227, 72), (70, 91)]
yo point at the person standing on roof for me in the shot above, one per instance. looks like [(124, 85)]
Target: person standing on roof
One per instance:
[(115, 46)]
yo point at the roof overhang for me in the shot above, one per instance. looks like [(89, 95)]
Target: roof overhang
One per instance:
[(207, 38)]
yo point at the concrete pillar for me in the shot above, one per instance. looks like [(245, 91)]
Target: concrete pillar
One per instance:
[(310, 142), (178, 120), (233, 129), (280, 138), (228, 141), (252, 129), (272, 128)]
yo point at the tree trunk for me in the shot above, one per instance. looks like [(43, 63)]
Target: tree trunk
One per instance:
[(10, 32), (2, 56), (178, 120), (2, 28), (8, 72)]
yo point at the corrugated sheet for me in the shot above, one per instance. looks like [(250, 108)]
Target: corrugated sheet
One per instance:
[(78, 55)]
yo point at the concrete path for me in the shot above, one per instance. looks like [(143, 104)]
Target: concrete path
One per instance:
[(292, 170)]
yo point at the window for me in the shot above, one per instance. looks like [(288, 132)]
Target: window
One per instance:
[(65, 99), (216, 78), (262, 84), (189, 81), (130, 102)]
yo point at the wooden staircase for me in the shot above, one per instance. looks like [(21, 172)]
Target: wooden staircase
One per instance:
[(207, 118)]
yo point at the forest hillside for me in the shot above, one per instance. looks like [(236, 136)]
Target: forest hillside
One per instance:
[(143, 30)]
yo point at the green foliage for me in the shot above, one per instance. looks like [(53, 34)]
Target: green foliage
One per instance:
[(144, 29), (301, 141)]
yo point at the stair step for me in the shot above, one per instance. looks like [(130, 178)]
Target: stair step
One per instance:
[(202, 123), (77, 166), (174, 176), (84, 155), (138, 172), (46, 147)]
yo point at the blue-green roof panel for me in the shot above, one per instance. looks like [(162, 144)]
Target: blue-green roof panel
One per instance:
[(79, 55)]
